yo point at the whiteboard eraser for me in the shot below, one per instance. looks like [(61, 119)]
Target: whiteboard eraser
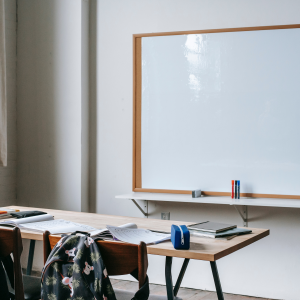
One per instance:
[(196, 193)]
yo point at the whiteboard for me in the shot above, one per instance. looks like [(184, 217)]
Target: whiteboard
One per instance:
[(221, 106)]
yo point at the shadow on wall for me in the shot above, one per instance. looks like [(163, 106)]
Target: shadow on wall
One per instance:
[(93, 107)]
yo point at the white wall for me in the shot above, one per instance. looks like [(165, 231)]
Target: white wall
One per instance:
[(49, 126), (49, 96), (268, 268), (8, 174)]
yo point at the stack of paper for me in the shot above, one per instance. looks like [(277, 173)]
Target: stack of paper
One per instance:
[(227, 234), (105, 234), (129, 233), (135, 236), (56, 226), (46, 222)]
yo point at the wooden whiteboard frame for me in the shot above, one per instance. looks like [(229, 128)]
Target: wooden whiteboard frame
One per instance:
[(137, 111)]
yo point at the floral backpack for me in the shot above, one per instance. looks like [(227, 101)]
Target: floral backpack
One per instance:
[(75, 270)]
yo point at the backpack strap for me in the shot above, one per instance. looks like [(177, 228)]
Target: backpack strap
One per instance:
[(143, 292), (75, 232)]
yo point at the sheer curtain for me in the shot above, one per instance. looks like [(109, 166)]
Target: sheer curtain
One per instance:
[(3, 122)]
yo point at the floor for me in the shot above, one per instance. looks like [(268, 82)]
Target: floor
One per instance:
[(184, 293)]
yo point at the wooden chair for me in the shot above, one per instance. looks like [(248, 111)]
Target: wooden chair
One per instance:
[(119, 259), (11, 243)]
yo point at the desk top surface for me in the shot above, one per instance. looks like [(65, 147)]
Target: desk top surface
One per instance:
[(200, 248)]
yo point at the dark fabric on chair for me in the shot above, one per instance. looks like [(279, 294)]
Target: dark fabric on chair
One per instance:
[(9, 268), (143, 292), (32, 285), (3, 284)]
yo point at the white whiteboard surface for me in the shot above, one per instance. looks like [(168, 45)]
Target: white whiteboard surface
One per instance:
[(222, 106)]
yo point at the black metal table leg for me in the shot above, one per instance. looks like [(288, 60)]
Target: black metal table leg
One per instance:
[(214, 269), (168, 275), (30, 257), (180, 276)]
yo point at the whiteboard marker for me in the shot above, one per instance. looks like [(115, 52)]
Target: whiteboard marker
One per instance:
[(232, 189), (238, 189), (235, 189)]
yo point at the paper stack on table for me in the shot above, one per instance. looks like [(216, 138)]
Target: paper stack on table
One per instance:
[(227, 234), (46, 222), (129, 233), (105, 234), (135, 236)]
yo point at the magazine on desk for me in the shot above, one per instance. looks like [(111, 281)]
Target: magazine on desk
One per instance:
[(46, 222), (129, 233)]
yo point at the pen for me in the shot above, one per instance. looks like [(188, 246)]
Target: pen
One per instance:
[(235, 189), (232, 189)]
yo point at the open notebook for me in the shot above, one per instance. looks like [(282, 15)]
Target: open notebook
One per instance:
[(129, 233)]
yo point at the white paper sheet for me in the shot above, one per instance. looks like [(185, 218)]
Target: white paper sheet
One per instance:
[(56, 226), (105, 231), (135, 236)]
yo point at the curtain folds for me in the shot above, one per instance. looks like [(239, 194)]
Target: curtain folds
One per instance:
[(3, 111)]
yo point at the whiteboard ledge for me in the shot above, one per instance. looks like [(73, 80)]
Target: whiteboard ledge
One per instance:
[(270, 202)]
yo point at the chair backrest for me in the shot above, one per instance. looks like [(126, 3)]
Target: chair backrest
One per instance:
[(11, 243), (119, 258)]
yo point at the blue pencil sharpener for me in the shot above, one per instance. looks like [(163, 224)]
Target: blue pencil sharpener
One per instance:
[(180, 237)]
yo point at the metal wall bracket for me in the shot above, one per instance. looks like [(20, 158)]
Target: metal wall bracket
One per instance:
[(243, 213), (145, 213)]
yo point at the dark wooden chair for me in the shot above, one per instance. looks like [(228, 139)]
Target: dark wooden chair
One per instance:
[(119, 259), (20, 287)]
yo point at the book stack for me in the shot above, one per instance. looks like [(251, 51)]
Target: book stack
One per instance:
[(6, 212), (216, 230)]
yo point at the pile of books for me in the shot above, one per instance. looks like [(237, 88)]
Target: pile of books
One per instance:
[(39, 221), (216, 230), (6, 212)]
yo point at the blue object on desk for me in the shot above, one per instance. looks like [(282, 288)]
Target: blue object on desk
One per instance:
[(180, 237)]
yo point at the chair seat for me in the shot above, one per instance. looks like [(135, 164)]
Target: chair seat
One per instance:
[(126, 295)]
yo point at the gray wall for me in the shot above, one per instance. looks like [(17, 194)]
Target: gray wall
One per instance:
[(49, 151), (8, 174), (49, 103)]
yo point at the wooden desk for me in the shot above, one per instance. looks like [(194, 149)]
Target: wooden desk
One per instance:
[(201, 248)]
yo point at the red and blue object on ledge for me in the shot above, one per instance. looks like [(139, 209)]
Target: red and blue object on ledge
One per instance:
[(180, 237)]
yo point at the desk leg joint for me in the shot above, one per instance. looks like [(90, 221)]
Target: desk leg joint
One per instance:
[(243, 213)]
